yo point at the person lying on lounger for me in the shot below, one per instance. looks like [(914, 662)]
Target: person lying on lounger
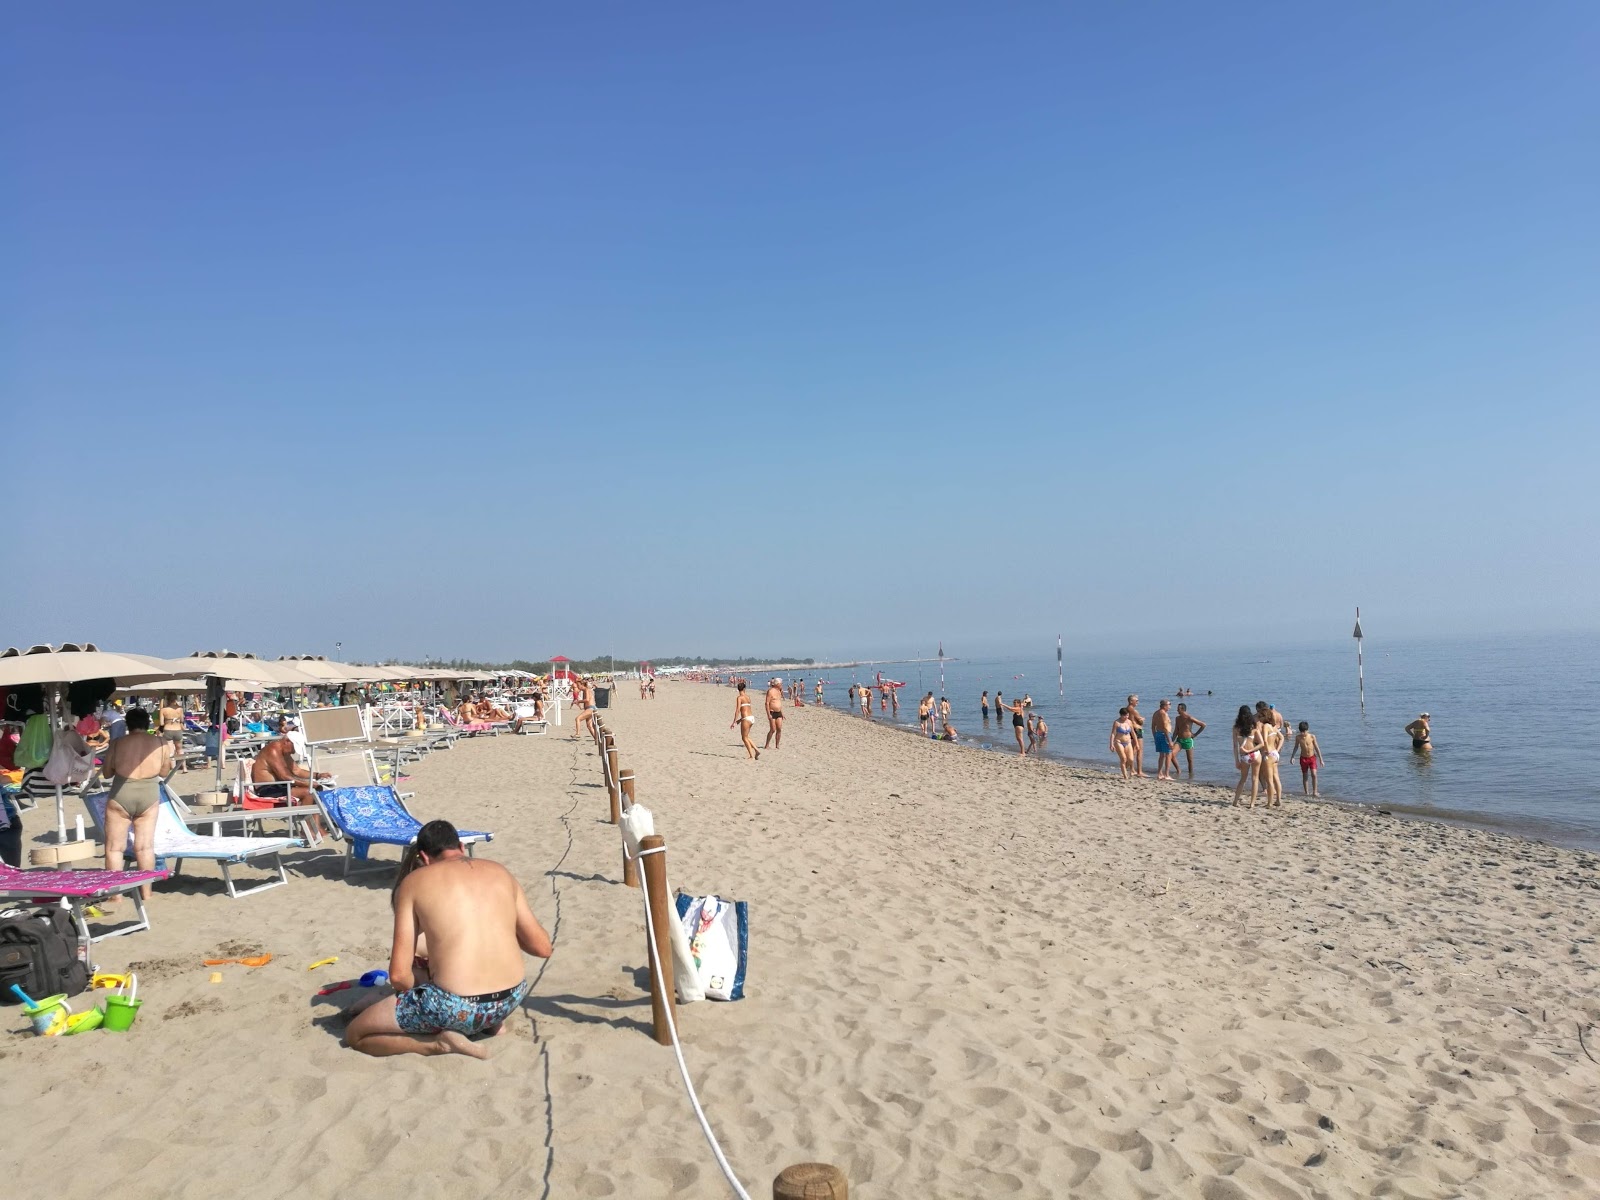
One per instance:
[(473, 919)]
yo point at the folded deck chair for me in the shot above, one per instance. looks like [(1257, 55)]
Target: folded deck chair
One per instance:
[(79, 889), (175, 842), (376, 816)]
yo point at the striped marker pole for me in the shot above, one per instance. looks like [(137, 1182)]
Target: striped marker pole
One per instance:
[(1361, 675), (1061, 671)]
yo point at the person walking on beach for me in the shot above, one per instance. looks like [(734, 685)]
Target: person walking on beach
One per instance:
[(474, 920), (1137, 718), (1161, 727), (1122, 740), (774, 713), (171, 716), (1309, 752), (1248, 754), (984, 705), (1040, 731), (135, 764), (819, 691), (1421, 731), (745, 718), (1185, 729), (924, 711)]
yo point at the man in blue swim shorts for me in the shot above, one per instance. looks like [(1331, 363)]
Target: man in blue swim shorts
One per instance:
[(474, 920), (1166, 755)]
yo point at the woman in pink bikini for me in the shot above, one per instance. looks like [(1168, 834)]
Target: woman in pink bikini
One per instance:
[(1246, 753)]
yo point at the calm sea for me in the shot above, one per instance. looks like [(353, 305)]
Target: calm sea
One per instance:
[(1511, 742)]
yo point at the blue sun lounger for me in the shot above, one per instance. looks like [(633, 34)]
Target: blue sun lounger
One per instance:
[(376, 816)]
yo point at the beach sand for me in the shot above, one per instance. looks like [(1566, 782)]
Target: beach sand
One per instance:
[(970, 976)]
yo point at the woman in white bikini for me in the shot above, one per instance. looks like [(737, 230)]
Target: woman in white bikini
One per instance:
[(1272, 740), (745, 718)]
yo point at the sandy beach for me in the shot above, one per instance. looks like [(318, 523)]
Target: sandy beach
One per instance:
[(970, 976)]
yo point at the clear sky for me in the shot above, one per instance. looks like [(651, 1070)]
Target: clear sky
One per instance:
[(510, 330)]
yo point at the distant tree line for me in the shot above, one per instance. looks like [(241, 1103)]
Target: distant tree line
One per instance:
[(593, 666)]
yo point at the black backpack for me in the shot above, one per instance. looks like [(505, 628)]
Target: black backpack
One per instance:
[(39, 953)]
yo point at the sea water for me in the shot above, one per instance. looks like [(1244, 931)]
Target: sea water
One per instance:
[(1512, 744)]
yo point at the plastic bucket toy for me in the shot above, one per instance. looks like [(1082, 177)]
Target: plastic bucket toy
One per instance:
[(83, 1022), (47, 1012), (120, 1012)]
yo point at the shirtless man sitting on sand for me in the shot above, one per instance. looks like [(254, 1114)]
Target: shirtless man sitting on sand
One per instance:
[(473, 919), (274, 773), (774, 714)]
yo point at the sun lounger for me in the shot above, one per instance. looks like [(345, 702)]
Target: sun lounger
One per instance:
[(471, 728), (248, 820), (375, 816), (175, 841), (79, 889)]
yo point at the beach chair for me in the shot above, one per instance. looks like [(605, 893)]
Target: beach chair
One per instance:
[(175, 841), (376, 816), (256, 811), (470, 728), (536, 726), (79, 889)]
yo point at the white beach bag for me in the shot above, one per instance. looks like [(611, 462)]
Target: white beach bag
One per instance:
[(638, 824), (719, 941)]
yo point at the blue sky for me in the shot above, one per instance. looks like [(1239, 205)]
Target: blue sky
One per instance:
[(849, 327)]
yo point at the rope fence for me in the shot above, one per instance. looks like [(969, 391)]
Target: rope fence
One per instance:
[(801, 1181)]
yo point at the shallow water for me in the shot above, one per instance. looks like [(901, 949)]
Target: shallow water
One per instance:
[(1507, 753)]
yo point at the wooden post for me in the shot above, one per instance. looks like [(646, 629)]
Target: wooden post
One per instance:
[(612, 792), (630, 869), (655, 882), (811, 1181)]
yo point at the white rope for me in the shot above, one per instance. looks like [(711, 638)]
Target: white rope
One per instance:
[(672, 1028)]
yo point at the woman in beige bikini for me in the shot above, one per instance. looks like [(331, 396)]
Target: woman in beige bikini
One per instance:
[(745, 718), (136, 764), (171, 716)]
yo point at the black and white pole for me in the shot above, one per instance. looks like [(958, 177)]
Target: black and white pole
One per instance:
[(1061, 671), (941, 669), (1361, 677)]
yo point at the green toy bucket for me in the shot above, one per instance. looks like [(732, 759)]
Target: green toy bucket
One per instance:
[(120, 1012)]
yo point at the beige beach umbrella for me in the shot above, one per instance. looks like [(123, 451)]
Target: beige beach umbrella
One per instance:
[(327, 673), (264, 673), (76, 662)]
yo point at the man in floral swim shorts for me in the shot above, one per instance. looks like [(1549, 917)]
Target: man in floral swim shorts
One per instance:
[(475, 922)]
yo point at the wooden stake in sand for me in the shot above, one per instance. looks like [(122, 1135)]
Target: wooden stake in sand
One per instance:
[(612, 792), (630, 869), (811, 1181), (655, 882)]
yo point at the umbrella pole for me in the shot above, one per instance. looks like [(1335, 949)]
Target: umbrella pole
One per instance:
[(61, 802)]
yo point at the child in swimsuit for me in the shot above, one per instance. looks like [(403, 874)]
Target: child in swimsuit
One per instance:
[(1305, 745)]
